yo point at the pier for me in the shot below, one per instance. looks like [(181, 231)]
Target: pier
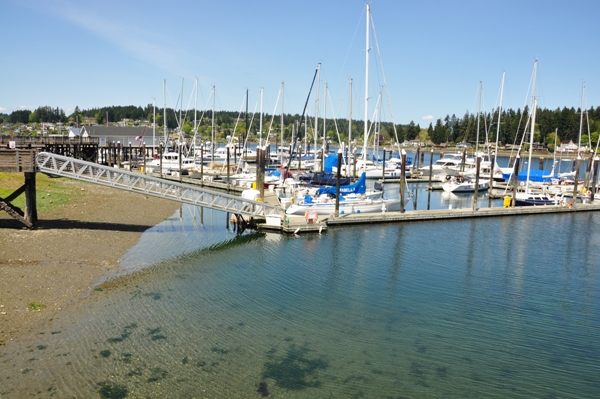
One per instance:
[(266, 213)]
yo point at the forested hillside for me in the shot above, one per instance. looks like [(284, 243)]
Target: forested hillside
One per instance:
[(449, 129)]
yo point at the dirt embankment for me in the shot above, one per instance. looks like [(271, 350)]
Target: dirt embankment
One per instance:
[(82, 232)]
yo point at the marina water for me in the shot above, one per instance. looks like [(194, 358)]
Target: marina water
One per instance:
[(488, 308)]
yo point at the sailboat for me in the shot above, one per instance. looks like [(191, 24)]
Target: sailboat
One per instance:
[(528, 197), (324, 204)]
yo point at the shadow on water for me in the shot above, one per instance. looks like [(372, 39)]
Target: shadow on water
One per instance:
[(238, 240)]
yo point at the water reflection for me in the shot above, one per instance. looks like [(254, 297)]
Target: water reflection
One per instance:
[(437, 309)]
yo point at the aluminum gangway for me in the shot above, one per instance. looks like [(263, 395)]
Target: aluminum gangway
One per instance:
[(139, 183)]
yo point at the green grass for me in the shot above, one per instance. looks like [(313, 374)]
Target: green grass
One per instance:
[(36, 306), (50, 192)]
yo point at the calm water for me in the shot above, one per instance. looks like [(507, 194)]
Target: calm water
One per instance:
[(489, 308)]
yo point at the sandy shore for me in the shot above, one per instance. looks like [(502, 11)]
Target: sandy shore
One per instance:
[(73, 246)]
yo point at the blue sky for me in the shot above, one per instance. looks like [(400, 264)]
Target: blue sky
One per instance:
[(67, 53)]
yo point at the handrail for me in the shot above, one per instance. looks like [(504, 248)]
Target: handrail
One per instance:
[(131, 181)]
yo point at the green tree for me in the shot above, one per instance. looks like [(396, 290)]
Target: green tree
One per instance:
[(423, 135), (550, 141), (21, 116), (99, 117), (594, 137)]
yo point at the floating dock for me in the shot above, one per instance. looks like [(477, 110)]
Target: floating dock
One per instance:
[(298, 224)]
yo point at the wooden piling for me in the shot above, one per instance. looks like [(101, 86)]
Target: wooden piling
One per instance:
[(262, 173), (119, 153), (160, 159), (594, 178), (202, 165), (476, 183), (30, 198), (382, 167), (515, 180), (588, 170), (144, 157), (179, 159), (337, 182), (577, 164), (430, 168), (402, 181), (354, 162), (228, 168)]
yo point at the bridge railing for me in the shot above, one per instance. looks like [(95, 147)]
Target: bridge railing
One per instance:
[(108, 176)]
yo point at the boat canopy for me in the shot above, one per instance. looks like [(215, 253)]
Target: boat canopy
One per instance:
[(535, 175), (330, 162), (360, 187)]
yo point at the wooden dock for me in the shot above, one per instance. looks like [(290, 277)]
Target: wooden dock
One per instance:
[(24, 161), (445, 214), (292, 224), (13, 160)]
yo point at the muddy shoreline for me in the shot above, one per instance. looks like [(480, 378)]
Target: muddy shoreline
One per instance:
[(74, 246)]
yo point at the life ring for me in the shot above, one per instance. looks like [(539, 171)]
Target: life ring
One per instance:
[(588, 194), (448, 177)]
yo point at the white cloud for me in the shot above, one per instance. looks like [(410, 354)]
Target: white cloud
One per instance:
[(143, 44), (428, 118)]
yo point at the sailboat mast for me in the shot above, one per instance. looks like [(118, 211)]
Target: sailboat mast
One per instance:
[(316, 135), (478, 119), (246, 136), (281, 141), (500, 110), (533, 110), (367, 49), (581, 119), (324, 118), (180, 110), (165, 108), (213, 124), (260, 119), (153, 123), (350, 120), (196, 112)]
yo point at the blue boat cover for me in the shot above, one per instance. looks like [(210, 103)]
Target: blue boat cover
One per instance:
[(535, 175), (360, 187), (330, 162)]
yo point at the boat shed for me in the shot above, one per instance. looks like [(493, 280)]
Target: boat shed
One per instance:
[(135, 136)]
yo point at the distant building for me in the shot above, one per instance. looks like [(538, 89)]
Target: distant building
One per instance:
[(124, 135), (74, 132)]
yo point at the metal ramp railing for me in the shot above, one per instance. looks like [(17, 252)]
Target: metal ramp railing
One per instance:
[(108, 176)]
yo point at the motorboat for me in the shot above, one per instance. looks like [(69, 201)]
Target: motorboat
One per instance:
[(171, 163), (464, 184), (438, 171)]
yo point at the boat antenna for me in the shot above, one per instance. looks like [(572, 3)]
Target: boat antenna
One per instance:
[(302, 118)]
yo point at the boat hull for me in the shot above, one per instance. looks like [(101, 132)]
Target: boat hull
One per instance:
[(346, 207)]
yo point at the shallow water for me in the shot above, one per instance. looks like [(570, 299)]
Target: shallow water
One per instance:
[(490, 308)]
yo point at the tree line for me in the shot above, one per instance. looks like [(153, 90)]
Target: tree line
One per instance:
[(513, 124)]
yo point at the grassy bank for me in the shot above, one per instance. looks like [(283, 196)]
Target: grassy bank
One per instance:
[(51, 193)]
